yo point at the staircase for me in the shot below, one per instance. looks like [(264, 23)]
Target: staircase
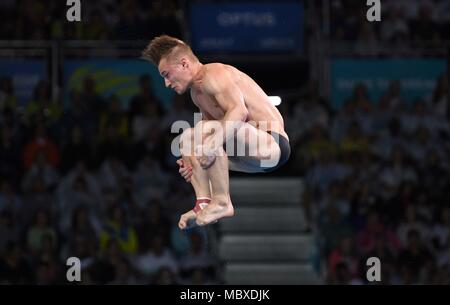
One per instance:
[(264, 243)]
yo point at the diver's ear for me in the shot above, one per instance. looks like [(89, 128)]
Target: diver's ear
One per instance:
[(184, 62)]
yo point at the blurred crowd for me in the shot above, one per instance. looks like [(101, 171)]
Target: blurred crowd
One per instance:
[(377, 178), (102, 20), (96, 181), (406, 27)]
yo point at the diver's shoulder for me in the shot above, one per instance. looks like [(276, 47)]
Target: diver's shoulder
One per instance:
[(217, 66), (213, 71), (214, 66)]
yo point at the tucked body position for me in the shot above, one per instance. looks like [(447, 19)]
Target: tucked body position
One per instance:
[(240, 129)]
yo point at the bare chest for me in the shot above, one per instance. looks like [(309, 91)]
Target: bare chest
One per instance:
[(207, 104)]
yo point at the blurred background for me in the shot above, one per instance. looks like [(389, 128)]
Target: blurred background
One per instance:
[(86, 168)]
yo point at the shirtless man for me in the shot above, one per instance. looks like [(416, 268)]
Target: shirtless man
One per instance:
[(236, 113)]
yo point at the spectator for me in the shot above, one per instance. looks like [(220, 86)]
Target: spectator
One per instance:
[(92, 100), (42, 103), (394, 27), (151, 145), (112, 174), (40, 168), (143, 97), (178, 111), (48, 250), (342, 275), (41, 143), (33, 23), (410, 223), (344, 253), (333, 227), (124, 274), (157, 256), (78, 113), (14, 268), (46, 273), (130, 25), (9, 200), (102, 271), (114, 118), (40, 228), (354, 141), (439, 98), (398, 171), (151, 180), (37, 198), (7, 98), (164, 276), (10, 161), (367, 42), (153, 221), (8, 230), (374, 230), (200, 277), (394, 95), (97, 28), (318, 143), (387, 258), (118, 228), (163, 16), (142, 123), (425, 29), (334, 198), (414, 257), (77, 148), (310, 111), (440, 233), (86, 250), (79, 189), (85, 226), (111, 145), (198, 256)]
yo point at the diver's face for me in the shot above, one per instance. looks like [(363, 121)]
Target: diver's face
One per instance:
[(175, 73)]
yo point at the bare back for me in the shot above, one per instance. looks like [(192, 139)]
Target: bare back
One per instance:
[(259, 108)]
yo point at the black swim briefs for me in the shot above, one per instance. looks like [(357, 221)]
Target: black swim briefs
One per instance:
[(285, 149)]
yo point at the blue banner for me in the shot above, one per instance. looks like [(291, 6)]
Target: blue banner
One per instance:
[(118, 77), (417, 77), (247, 26), (25, 75)]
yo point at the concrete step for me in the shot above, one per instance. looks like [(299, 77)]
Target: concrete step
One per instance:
[(276, 248), (264, 220), (270, 274), (266, 191)]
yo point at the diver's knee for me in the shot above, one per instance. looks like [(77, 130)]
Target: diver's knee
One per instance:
[(187, 142)]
